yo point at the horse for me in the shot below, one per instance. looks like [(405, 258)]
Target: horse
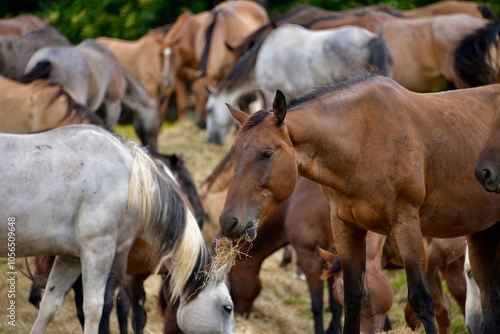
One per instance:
[(435, 47), (473, 314), (39, 106), (180, 58), (303, 221), (131, 292), (451, 7), (487, 170), (21, 24), (295, 59), (143, 58), (95, 78), (374, 147), (15, 51), (216, 60), (113, 194)]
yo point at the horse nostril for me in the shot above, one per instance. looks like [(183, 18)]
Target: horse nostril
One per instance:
[(484, 175), (228, 308)]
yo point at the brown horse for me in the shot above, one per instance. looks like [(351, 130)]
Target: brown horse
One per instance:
[(181, 56), (487, 170), (21, 24), (304, 222), (143, 58), (389, 160), (451, 7), (39, 106), (437, 50), (230, 22)]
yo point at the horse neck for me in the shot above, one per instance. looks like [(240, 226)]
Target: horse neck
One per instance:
[(313, 162)]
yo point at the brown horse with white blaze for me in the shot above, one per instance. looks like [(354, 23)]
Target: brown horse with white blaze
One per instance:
[(390, 161)]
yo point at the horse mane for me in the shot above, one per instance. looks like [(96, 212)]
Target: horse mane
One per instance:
[(208, 39), (170, 225), (472, 56), (320, 91), (357, 13), (487, 13), (312, 95), (242, 68)]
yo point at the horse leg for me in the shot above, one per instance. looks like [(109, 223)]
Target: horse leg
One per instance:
[(483, 257), (180, 98), (98, 258), (201, 102), (113, 111), (287, 256), (350, 242), (138, 299), (335, 308), (123, 307), (112, 283), (63, 274), (441, 301), (410, 243), (78, 291), (453, 274)]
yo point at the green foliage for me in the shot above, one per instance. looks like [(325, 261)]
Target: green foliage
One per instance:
[(130, 19)]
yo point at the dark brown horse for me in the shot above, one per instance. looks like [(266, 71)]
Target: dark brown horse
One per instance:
[(390, 161)]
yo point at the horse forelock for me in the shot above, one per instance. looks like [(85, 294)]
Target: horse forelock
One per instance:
[(254, 120)]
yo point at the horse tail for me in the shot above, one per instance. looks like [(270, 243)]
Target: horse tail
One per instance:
[(169, 226), (487, 13), (40, 71), (380, 56), (472, 58)]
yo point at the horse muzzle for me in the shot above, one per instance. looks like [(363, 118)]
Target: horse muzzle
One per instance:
[(233, 228)]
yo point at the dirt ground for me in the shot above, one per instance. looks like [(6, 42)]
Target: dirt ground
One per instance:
[(282, 307)]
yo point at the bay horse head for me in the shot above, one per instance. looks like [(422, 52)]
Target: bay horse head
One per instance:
[(265, 165)]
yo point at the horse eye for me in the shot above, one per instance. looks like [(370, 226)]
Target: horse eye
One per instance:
[(228, 308), (469, 273), (266, 155)]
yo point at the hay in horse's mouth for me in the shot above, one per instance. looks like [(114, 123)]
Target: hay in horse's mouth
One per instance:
[(226, 251)]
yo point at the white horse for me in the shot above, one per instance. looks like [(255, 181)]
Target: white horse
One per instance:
[(82, 194), (474, 320), (295, 59)]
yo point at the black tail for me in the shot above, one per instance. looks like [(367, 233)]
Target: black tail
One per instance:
[(472, 59), (40, 71), (380, 57), (487, 13)]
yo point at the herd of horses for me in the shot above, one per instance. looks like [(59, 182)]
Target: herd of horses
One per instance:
[(354, 159)]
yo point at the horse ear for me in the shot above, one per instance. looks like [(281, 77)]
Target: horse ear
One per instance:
[(238, 115), (326, 255), (279, 108)]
